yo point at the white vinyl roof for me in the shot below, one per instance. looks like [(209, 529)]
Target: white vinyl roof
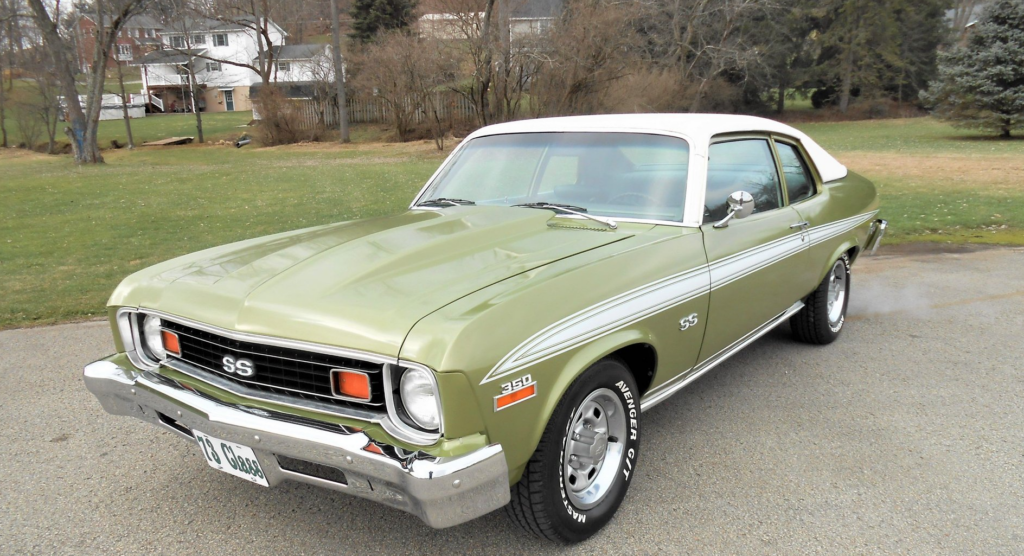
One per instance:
[(698, 128)]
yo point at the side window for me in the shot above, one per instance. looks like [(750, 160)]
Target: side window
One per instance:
[(799, 183), (741, 165)]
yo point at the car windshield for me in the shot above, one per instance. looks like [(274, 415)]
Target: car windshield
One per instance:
[(624, 175)]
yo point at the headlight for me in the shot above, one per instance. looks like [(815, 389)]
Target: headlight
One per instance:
[(419, 398), (152, 338)]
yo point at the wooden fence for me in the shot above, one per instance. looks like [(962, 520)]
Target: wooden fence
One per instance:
[(313, 113)]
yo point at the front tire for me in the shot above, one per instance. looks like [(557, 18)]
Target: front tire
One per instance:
[(824, 313), (582, 467)]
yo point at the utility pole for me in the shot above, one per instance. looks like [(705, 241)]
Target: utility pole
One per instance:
[(124, 105), (339, 74)]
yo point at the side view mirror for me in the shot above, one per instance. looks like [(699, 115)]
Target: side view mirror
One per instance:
[(741, 204)]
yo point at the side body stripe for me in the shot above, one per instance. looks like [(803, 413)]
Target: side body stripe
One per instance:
[(625, 309)]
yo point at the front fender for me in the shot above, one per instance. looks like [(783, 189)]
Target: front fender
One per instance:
[(519, 428), (551, 324)]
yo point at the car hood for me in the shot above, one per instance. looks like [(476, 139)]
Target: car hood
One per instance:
[(363, 284)]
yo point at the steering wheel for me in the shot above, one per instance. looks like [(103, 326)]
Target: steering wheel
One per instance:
[(632, 194)]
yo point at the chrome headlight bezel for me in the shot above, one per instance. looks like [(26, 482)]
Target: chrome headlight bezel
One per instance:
[(398, 413), (418, 392), (153, 344), (130, 326)]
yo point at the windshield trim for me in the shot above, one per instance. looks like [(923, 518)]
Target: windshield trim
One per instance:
[(694, 183)]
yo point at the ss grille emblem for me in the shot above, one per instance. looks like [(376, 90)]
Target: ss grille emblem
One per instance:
[(239, 366)]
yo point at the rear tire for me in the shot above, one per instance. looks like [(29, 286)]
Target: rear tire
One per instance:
[(566, 494), (824, 313)]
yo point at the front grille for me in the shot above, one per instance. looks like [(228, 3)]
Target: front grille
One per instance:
[(287, 371)]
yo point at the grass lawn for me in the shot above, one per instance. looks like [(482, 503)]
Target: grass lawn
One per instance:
[(69, 234), (937, 183), (216, 126)]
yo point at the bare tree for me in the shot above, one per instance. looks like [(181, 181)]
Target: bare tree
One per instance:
[(465, 30), (124, 107), (339, 74), (591, 46), (45, 103), (256, 18), (8, 15), (321, 68), (706, 39), (83, 123), (188, 22), (13, 18), (406, 72)]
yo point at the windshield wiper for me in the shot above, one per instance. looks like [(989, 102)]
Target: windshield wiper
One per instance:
[(446, 201), (571, 209)]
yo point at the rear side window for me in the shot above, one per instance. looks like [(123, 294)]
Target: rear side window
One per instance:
[(741, 165), (799, 183)]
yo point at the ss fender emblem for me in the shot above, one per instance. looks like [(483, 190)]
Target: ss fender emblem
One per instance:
[(239, 366), (688, 321)]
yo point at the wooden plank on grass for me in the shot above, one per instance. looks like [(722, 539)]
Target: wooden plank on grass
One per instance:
[(169, 141)]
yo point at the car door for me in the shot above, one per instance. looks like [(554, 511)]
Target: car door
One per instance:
[(805, 193), (752, 261)]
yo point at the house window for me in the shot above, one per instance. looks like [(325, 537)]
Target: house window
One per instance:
[(177, 41), (220, 40), (283, 66), (198, 39), (151, 33), (124, 52), (212, 66)]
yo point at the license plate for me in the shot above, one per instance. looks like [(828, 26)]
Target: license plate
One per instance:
[(231, 458)]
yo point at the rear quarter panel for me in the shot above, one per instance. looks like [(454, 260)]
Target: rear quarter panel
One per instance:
[(840, 217)]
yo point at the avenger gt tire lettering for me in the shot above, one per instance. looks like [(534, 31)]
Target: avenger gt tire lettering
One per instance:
[(586, 458)]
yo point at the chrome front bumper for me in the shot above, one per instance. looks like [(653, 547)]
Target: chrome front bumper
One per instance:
[(440, 491)]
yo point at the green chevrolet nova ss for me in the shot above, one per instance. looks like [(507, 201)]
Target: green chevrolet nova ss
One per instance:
[(495, 344)]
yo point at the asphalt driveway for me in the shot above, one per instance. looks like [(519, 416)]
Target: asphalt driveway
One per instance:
[(905, 436)]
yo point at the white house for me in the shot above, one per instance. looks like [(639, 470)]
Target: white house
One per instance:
[(526, 19), (209, 45)]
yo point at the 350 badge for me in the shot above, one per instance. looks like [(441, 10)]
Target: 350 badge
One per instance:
[(518, 390)]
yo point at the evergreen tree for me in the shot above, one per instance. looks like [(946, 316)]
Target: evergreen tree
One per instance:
[(981, 83), (922, 29), (370, 17)]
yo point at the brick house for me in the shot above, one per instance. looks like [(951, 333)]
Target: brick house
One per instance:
[(139, 36)]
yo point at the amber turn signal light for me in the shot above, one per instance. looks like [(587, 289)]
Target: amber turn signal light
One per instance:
[(171, 344), (516, 396), (351, 384)]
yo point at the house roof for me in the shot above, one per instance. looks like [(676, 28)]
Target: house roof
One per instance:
[(519, 9), (139, 20), (208, 25), (532, 9), (298, 51), (168, 57), (698, 128)]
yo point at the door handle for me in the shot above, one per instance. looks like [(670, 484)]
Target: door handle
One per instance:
[(803, 224)]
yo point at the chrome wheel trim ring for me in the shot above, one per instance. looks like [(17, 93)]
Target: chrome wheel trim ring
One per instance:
[(837, 292), (594, 448)]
